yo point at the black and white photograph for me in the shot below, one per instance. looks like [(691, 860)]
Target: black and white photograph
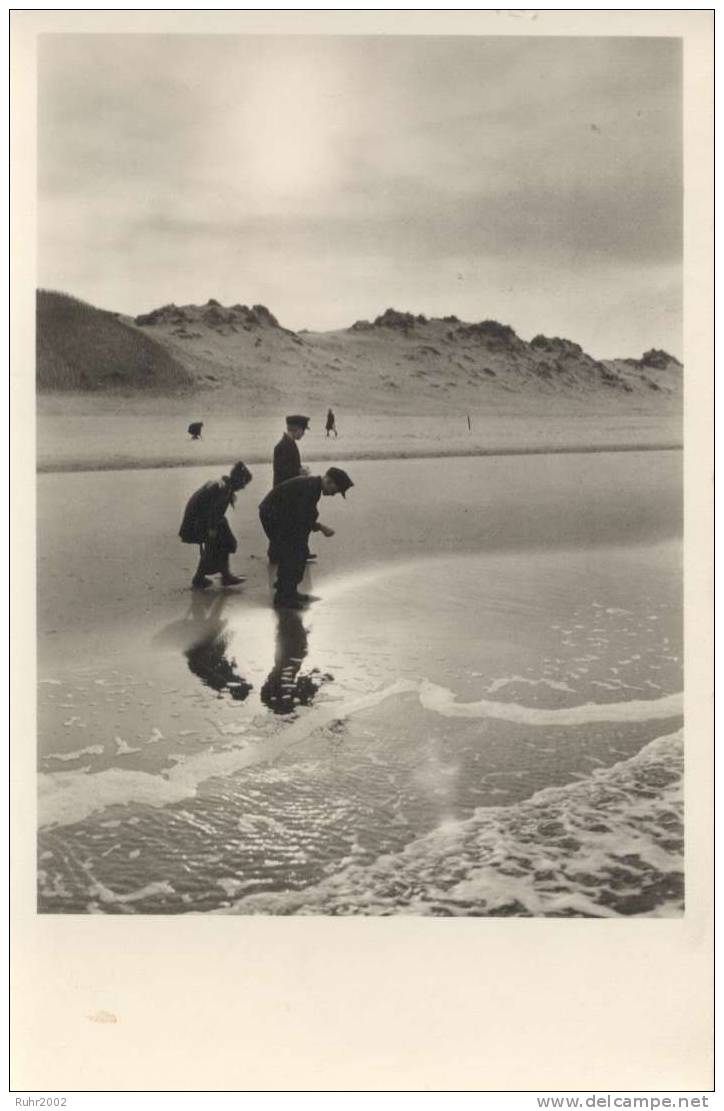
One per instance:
[(361, 390), (359, 376)]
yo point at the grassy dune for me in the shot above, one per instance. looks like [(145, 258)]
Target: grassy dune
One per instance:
[(80, 347)]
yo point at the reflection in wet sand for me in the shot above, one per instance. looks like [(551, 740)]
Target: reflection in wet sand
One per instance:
[(285, 688), (204, 636), (207, 656)]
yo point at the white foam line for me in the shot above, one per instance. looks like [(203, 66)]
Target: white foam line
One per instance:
[(440, 700), (66, 797), (554, 684), (92, 750), (158, 887)]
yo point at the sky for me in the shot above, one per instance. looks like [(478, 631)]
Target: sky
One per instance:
[(536, 181)]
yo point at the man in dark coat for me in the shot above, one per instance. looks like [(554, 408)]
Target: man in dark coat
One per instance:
[(288, 514), (287, 460), (288, 463), (205, 524)]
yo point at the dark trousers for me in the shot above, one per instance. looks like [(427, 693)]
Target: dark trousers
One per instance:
[(215, 551), (288, 548), (273, 552)]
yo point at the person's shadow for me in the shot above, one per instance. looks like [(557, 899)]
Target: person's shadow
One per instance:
[(204, 642), (286, 688)]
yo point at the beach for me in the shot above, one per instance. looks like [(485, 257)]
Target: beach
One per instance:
[(96, 433), (494, 658)]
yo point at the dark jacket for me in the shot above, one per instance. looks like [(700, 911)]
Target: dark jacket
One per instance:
[(287, 460), (205, 510), (291, 507)]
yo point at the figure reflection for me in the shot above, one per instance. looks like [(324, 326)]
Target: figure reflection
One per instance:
[(285, 688), (207, 652)]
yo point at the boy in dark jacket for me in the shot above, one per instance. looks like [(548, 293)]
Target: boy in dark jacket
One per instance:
[(205, 524), (287, 460)]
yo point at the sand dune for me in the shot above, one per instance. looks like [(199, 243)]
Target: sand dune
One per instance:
[(400, 362), (401, 386)]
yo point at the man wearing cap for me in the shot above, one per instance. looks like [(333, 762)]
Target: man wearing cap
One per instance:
[(287, 460), (288, 463), (288, 514), (204, 523)]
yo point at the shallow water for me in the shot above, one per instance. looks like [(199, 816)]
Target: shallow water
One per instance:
[(480, 724)]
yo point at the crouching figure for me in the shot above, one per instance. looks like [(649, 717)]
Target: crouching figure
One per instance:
[(204, 523)]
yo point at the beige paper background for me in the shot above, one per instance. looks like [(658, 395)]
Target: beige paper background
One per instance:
[(234, 1003)]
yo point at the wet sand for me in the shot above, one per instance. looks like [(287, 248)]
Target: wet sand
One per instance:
[(69, 440), (488, 630)]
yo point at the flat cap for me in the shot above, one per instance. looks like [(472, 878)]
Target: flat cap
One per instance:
[(340, 479), (297, 420)]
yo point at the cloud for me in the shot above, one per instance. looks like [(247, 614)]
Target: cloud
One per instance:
[(368, 157)]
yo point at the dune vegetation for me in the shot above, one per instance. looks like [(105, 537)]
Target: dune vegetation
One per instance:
[(80, 347), (400, 362)]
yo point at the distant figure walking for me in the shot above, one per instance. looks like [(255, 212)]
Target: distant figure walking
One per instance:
[(204, 523), (331, 425), (288, 514), (195, 429)]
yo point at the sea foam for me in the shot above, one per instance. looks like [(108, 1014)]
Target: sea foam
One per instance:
[(441, 700), (607, 846), (67, 797)]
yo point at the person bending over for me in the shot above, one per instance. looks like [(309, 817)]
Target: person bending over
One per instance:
[(204, 523), (288, 514)]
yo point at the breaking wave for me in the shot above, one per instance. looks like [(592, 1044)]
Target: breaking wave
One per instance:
[(606, 846)]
